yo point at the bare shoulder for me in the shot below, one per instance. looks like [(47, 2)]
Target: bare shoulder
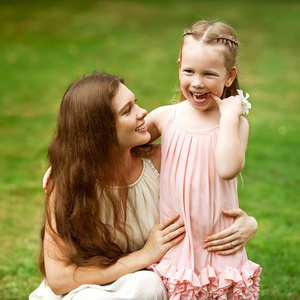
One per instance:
[(159, 116), (158, 112)]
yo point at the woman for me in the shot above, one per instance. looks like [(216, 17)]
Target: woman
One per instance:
[(100, 227)]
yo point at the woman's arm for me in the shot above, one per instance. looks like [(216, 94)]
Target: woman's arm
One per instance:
[(236, 236), (63, 278)]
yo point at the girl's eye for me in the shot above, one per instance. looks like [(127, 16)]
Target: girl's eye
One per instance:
[(188, 71), (209, 74)]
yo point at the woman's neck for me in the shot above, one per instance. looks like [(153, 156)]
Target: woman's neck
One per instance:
[(133, 167)]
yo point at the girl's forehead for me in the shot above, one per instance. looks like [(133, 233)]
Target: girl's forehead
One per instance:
[(193, 46), (191, 43)]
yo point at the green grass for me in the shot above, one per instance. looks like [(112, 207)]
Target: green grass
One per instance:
[(45, 45)]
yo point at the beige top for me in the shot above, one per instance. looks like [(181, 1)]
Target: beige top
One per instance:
[(144, 193)]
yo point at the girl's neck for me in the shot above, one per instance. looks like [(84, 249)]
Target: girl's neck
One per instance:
[(192, 118)]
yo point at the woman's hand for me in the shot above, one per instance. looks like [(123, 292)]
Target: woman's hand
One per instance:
[(236, 236), (46, 179), (162, 237)]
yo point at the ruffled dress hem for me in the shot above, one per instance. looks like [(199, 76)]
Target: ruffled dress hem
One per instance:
[(184, 284)]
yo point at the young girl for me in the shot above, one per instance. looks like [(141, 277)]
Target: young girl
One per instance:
[(204, 140)]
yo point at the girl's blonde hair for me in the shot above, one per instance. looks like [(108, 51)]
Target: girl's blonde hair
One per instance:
[(216, 33)]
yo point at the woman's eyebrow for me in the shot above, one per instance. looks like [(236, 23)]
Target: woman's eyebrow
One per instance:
[(125, 106)]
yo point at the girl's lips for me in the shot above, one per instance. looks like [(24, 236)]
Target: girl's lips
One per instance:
[(200, 97)]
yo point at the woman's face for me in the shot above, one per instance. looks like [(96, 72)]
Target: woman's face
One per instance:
[(131, 126)]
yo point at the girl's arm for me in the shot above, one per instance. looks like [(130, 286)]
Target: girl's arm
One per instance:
[(63, 278), (232, 138), (156, 121), (239, 234)]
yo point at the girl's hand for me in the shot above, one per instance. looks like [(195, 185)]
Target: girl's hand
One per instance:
[(162, 237), (231, 105), (236, 236), (46, 179)]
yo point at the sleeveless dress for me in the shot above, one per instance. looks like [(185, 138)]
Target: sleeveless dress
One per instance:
[(191, 186), (141, 285)]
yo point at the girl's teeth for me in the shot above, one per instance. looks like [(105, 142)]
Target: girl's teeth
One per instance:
[(197, 96)]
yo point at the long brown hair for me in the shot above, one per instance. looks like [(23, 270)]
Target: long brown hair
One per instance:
[(86, 163), (216, 33)]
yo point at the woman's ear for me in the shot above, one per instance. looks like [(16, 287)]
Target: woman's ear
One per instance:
[(231, 76)]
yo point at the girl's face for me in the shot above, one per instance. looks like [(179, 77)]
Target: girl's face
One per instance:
[(202, 72), (131, 128)]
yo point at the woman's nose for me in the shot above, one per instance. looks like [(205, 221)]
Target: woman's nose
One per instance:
[(142, 113)]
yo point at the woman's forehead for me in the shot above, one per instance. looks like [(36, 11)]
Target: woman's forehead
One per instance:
[(123, 96)]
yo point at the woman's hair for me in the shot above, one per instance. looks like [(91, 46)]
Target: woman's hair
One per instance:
[(216, 33), (86, 163)]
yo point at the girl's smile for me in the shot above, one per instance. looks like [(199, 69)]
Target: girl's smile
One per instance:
[(200, 98), (202, 72)]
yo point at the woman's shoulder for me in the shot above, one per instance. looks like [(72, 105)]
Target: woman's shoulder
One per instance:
[(152, 152)]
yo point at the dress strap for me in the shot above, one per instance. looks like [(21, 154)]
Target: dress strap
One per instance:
[(171, 118), (173, 112)]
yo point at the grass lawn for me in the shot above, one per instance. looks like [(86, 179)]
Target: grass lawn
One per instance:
[(45, 45)]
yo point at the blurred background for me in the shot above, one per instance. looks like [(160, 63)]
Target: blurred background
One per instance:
[(45, 45)]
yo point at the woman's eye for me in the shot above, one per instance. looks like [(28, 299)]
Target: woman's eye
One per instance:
[(127, 111)]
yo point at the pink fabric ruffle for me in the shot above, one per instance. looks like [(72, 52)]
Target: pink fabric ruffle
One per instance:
[(184, 284)]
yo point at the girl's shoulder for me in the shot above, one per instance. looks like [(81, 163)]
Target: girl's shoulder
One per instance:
[(161, 111), (159, 117)]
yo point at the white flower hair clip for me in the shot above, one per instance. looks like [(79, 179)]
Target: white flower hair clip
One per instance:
[(246, 105)]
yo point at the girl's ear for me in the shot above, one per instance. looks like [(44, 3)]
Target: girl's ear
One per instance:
[(231, 76), (179, 65)]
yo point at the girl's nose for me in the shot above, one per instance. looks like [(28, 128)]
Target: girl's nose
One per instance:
[(198, 83)]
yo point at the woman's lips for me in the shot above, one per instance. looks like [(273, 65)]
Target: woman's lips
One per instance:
[(141, 127)]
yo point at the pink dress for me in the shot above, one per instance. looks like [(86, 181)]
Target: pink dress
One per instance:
[(191, 186)]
